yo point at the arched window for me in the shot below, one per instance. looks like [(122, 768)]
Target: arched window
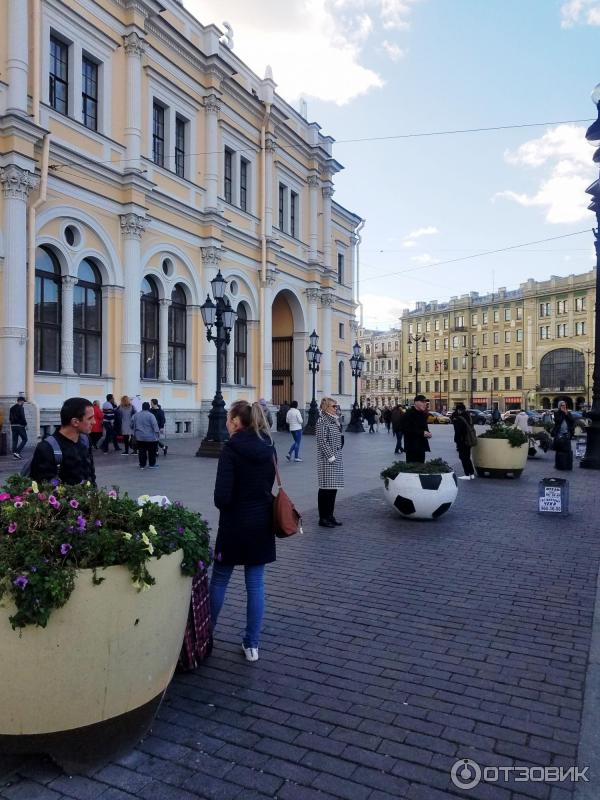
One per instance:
[(240, 343), (177, 334), (340, 377), (149, 326), (87, 321), (47, 311), (562, 368)]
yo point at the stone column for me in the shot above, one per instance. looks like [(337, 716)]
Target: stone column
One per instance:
[(16, 185), (313, 196), (312, 322), (267, 343), (327, 301), (132, 229), (66, 333), (17, 56), (211, 259), (163, 334), (327, 195), (134, 47), (270, 150), (212, 106)]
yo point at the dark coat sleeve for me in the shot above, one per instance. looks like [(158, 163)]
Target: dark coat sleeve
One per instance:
[(224, 481)]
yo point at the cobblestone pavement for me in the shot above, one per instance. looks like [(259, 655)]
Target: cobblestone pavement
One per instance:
[(391, 649)]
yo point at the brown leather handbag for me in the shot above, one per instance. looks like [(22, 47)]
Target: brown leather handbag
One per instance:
[(286, 518)]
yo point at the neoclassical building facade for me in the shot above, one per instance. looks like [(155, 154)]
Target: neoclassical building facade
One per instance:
[(380, 382), (138, 157)]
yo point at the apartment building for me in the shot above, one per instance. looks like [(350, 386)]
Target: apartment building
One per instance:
[(380, 384)]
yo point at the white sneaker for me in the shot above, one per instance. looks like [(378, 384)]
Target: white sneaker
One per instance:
[(464, 477), (298, 459), (472, 477), (251, 653)]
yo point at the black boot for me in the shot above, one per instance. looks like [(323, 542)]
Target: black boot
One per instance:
[(326, 523), (334, 521)]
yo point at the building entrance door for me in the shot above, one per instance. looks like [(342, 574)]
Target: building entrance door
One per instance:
[(283, 382)]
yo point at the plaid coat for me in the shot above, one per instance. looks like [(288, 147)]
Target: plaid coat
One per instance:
[(329, 443)]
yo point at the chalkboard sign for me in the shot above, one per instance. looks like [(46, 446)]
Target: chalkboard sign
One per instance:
[(553, 497)]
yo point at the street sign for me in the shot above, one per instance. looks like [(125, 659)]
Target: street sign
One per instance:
[(553, 496)]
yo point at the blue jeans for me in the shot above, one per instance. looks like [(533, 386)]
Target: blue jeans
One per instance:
[(295, 448), (255, 602), (18, 432)]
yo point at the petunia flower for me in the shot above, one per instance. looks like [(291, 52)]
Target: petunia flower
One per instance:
[(112, 494), (4, 496), (181, 530), (12, 527), (64, 548), (127, 536), (98, 523), (140, 512), (42, 496), (201, 565), (20, 582), (34, 487), (152, 530), (81, 522), (54, 482), (18, 504), (73, 503)]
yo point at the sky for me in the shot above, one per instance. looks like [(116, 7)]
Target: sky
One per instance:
[(381, 71)]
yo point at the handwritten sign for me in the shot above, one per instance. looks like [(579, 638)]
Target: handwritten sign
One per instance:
[(551, 500), (580, 445)]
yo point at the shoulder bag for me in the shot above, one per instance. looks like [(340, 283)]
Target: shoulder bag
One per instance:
[(286, 518)]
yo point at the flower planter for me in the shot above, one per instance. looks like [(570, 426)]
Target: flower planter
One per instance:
[(417, 496), (86, 688), (495, 458)]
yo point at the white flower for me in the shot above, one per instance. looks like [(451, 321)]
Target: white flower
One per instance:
[(35, 487), (127, 536), (143, 499)]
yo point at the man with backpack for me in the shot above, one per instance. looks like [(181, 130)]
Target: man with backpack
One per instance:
[(67, 455), (18, 425)]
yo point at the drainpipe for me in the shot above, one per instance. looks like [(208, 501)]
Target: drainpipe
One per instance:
[(361, 225), (263, 243)]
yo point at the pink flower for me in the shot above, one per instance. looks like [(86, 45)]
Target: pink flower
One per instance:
[(4, 496), (112, 494), (12, 527), (42, 496), (73, 503), (18, 504)]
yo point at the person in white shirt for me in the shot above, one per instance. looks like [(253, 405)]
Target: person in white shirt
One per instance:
[(522, 422), (294, 420)]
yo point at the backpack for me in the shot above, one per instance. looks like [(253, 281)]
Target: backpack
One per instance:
[(57, 452)]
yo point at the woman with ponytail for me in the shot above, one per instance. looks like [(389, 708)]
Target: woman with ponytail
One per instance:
[(243, 495)]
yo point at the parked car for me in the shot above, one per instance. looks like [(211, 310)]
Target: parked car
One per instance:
[(435, 418)]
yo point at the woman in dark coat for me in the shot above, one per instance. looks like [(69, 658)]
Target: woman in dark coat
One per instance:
[(464, 438), (562, 433), (243, 495)]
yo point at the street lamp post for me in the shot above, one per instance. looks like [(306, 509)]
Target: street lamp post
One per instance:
[(474, 353), (589, 352), (419, 337), (220, 315), (591, 460), (313, 357), (356, 362)]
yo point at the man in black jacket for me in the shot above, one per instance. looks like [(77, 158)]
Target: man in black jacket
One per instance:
[(156, 409), (18, 425), (77, 462), (415, 431)]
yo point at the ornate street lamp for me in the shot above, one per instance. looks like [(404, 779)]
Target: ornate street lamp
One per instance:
[(591, 460), (419, 337), (357, 363), (474, 353), (313, 357), (221, 316)]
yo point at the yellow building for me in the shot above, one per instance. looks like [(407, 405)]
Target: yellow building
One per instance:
[(138, 156), (524, 348), (380, 384)]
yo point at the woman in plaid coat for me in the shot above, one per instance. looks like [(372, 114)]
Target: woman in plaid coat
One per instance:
[(330, 465)]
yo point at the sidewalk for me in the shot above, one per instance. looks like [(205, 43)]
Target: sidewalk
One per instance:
[(391, 649)]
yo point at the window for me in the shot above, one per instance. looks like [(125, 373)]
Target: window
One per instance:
[(454, 342), (89, 93), (436, 386), (436, 344), (484, 362), (445, 342), (545, 332), (561, 330), (396, 345), (294, 215), (507, 382), (459, 322), (281, 206), (158, 134), (580, 304), (484, 317), (473, 340), (519, 359), (47, 311), (177, 335), (426, 366), (340, 386), (244, 168), (436, 325), (473, 319), (59, 75), (180, 129), (340, 330), (484, 384), (446, 322), (463, 362), (340, 267), (87, 321), (484, 339), (455, 384), (496, 337), (149, 330), (507, 359), (427, 326), (427, 385), (463, 384), (507, 315), (507, 337), (445, 385), (496, 382), (396, 365), (544, 309), (580, 329), (519, 310), (228, 176), (389, 365), (519, 334), (561, 368), (410, 327), (455, 363), (496, 315), (561, 306), (473, 384), (418, 327), (519, 381), (496, 361), (410, 387)]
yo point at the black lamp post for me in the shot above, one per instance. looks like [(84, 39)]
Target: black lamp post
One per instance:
[(313, 356), (220, 315), (419, 337), (591, 460), (589, 352), (474, 353), (357, 363)]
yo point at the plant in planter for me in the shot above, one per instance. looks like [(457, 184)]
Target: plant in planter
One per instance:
[(500, 452), (420, 491), (97, 590)]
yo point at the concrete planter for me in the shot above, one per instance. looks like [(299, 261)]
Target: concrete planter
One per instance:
[(495, 458), (416, 496), (86, 688)]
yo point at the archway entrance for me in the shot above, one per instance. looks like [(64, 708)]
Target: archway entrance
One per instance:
[(288, 349), (568, 400)]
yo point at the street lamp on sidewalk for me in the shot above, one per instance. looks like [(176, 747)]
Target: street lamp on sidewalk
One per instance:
[(474, 353), (313, 356), (356, 362), (419, 337), (591, 460), (221, 315)]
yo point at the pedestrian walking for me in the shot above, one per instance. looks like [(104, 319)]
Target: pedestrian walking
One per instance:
[(265, 408), (377, 418), (370, 417), (161, 421), (396, 419), (282, 417), (108, 409), (136, 402), (245, 536), (416, 431), (124, 422), (145, 431), (496, 416), (330, 464), (18, 427), (97, 426), (562, 433), (522, 422), (387, 419), (67, 454), (294, 422), (465, 438)]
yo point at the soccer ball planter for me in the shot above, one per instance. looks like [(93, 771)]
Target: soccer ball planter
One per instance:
[(420, 491)]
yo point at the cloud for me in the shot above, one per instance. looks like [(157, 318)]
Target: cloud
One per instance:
[(413, 236), (567, 157), (423, 258), (580, 12), (392, 50), (382, 312), (315, 47)]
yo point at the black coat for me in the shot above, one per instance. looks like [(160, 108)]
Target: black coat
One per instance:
[(413, 426), (77, 462), (243, 495), (464, 432), (559, 416)]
